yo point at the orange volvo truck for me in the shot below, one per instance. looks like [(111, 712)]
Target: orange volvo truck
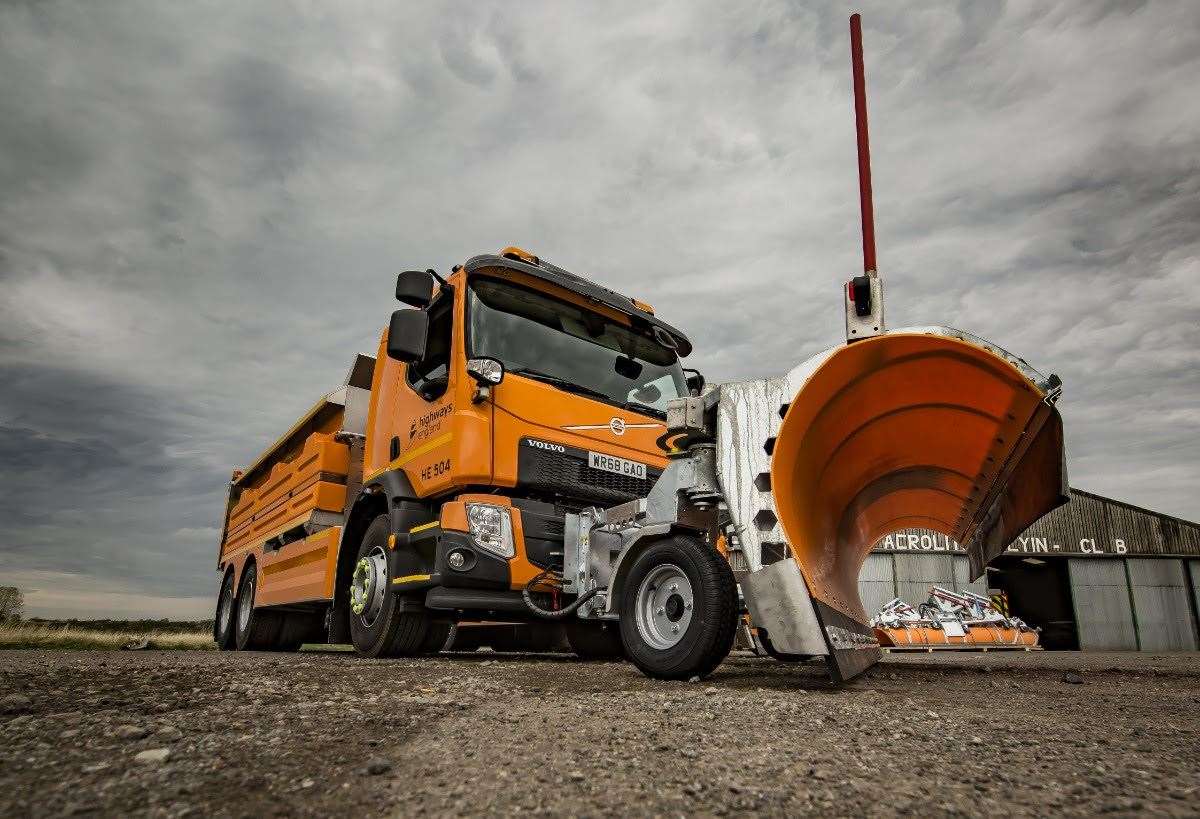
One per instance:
[(527, 449)]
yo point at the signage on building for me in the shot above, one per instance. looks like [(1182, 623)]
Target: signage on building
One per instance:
[(923, 541), (1088, 526)]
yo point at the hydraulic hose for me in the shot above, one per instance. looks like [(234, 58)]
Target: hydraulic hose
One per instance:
[(553, 614)]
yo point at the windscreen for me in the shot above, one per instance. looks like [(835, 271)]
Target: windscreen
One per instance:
[(557, 341)]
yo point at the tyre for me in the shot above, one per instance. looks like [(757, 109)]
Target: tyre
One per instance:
[(223, 634), (299, 628), (256, 629), (595, 641), (679, 609), (436, 637), (379, 626)]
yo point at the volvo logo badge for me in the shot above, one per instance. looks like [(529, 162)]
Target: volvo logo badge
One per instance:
[(549, 447), (617, 426)]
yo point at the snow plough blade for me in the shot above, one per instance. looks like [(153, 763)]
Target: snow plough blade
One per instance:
[(921, 428)]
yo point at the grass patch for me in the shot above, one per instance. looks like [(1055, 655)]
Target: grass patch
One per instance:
[(36, 635)]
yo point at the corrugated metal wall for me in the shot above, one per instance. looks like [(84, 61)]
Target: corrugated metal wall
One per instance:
[(962, 577), (877, 583), (1082, 517), (909, 577), (1180, 537), (1103, 615), (916, 573), (1193, 567), (1161, 604)]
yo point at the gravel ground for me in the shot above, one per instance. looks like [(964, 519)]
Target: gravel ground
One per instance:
[(207, 733)]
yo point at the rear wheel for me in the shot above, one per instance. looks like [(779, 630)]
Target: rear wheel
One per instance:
[(679, 609), (380, 625), (223, 634), (257, 629), (595, 641)]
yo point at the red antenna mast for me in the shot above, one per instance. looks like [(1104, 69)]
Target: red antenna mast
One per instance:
[(864, 145), (864, 294)]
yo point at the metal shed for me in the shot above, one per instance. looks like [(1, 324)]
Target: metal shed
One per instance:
[(1100, 573)]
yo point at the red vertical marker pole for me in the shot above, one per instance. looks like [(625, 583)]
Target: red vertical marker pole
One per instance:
[(864, 146)]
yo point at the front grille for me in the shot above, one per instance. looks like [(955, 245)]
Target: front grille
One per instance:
[(568, 475)]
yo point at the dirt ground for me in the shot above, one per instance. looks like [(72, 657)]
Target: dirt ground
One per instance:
[(330, 733)]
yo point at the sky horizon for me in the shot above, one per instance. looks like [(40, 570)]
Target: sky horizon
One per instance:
[(203, 208)]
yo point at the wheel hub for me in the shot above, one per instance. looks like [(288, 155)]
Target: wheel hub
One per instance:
[(369, 585), (664, 606)]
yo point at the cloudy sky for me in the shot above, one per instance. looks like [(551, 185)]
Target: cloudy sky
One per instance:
[(203, 206)]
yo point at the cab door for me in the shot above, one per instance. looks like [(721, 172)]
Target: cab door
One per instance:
[(412, 414)]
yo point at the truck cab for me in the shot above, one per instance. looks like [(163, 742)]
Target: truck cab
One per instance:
[(503, 397)]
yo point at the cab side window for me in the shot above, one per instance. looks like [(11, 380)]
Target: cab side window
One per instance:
[(430, 376)]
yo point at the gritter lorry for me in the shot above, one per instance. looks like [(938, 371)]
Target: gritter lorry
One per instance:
[(526, 463), (526, 448)]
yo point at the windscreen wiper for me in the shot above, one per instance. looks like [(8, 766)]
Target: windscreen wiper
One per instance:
[(563, 384), (644, 409)]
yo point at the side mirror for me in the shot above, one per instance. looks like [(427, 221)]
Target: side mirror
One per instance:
[(415, 288), (487, 372), (695, 382), (406, 335)]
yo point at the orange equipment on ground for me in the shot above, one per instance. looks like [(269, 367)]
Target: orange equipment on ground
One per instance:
[(949, 620)]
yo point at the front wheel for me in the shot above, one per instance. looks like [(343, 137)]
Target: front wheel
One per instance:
[(379, 624), (679, 609)]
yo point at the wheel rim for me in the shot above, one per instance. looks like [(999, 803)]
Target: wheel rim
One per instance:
[(664, 606), (225, 609), (368, 586), (246, 604)]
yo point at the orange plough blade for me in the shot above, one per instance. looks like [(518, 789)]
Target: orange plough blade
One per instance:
[(921, 428)]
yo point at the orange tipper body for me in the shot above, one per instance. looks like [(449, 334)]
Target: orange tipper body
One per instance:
[(525, 455)]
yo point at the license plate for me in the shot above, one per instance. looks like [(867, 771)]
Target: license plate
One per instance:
[(620, 466)]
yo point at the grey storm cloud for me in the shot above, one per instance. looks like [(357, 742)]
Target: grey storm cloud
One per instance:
[(202, 206)]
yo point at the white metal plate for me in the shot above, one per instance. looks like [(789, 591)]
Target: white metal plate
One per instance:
[(618, 466)]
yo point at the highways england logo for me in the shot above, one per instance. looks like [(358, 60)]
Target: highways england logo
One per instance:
[(428, 422)]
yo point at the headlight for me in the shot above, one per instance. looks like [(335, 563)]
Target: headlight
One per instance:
[(491, 527)]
